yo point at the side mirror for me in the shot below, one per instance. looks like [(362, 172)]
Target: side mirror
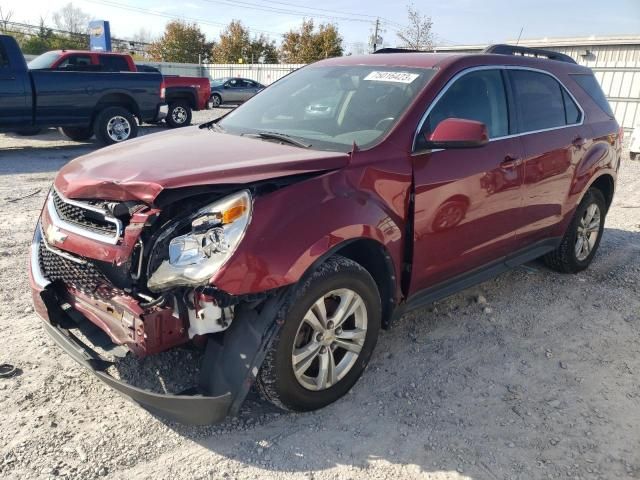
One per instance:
[(458, 133)]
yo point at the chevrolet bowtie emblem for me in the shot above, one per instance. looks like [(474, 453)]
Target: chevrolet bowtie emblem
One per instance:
[(54, 235)]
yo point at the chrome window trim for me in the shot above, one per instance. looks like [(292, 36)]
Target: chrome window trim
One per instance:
[(466, 71), (58, 221), (38, 277)]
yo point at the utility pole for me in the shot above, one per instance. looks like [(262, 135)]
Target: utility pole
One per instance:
[(375, 35)]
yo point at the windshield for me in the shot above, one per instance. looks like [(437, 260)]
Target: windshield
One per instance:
[(332, 107), (43, 61)]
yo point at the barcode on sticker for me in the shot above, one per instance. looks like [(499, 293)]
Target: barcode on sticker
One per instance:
[(400, 77)]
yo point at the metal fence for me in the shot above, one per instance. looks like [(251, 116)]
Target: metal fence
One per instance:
[(264, 73), (618, 72)]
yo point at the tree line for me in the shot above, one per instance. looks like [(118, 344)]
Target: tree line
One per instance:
[(185, 42)]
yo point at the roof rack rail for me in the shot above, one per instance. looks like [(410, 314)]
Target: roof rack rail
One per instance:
[(398, 50), (503, 49)]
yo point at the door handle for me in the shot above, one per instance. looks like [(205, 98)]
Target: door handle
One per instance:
[(578, 142), (510, 162)]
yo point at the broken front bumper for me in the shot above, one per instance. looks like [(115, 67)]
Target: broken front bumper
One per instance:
[(229, 366), (193, 409)]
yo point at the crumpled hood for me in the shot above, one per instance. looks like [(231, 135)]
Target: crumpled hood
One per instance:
[(141, 168)]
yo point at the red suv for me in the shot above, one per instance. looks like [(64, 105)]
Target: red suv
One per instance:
[(298, 225)]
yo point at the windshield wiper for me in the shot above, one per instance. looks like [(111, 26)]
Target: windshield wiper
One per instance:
[(278, 136)]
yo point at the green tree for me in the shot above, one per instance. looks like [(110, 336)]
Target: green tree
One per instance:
[(181, 42), (307, 45), (45, 39), (235, 45)]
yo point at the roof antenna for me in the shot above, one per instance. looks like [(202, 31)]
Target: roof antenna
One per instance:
[(518, 41)]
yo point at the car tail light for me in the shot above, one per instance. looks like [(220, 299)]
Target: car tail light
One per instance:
[(162, 90)]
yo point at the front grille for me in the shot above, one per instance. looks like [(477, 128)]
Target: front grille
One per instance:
[(83, 217), (86, 277)]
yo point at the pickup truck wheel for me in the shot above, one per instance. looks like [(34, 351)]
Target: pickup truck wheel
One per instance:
[(582, 238), (216, 100), (78, 134), (330, 329), (114, 125), (179, 115)]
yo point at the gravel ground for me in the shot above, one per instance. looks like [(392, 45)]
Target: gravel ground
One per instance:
[(531, 375)]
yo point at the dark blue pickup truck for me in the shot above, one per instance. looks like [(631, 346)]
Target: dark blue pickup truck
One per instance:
[(82, 103)]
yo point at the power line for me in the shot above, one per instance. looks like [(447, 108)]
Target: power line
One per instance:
[(284, 11), (113, 4)]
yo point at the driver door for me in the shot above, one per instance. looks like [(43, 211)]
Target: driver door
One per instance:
[(467, 200)]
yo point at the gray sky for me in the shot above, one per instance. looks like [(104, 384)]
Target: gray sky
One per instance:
[(454, 21)]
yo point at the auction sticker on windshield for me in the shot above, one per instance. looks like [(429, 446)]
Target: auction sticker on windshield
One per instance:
[(400, 77)]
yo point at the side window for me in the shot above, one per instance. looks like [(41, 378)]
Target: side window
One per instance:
[(113, 63), (249, 84), (572, 113), (75, 62), (478, 95), (590, 85), (234, 83), (538, 99)]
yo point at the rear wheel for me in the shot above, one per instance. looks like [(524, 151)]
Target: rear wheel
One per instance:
[(633, 155), (582, 238), (330, 329), (78, 134), (115, 125), (179, 114)]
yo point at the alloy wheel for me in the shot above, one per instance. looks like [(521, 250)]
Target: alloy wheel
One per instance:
[(588, 231), (179, 114), (118, 128), (329, 339)]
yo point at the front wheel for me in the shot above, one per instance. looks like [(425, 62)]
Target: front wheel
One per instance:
[(582, 238), (330, 330), (216, 100), (115, 125), (179, 115)]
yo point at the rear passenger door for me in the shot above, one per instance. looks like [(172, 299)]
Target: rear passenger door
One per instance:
[(549, 123)]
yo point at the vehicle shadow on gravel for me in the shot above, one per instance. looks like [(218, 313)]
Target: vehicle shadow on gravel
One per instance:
[(499, 380)]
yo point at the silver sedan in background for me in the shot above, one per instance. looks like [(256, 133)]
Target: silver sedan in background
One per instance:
[(233, 90)]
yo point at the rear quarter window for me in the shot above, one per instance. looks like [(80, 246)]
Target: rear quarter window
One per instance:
[(591, 86), (113, 63)]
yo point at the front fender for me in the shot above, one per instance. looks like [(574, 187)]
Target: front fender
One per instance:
[(296, 226)]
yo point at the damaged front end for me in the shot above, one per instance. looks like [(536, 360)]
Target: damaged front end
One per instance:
[(141, 274)]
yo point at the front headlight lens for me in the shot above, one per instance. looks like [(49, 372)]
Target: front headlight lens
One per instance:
[(216, 232)]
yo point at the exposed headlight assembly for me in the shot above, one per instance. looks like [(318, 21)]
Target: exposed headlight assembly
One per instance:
[(216, 232)]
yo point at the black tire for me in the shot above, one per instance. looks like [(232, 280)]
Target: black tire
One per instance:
[(179, 114), (633, 155), (565, 259), (100, 127), (28, 132), (216, 100), (276, 381), (79, 134)]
